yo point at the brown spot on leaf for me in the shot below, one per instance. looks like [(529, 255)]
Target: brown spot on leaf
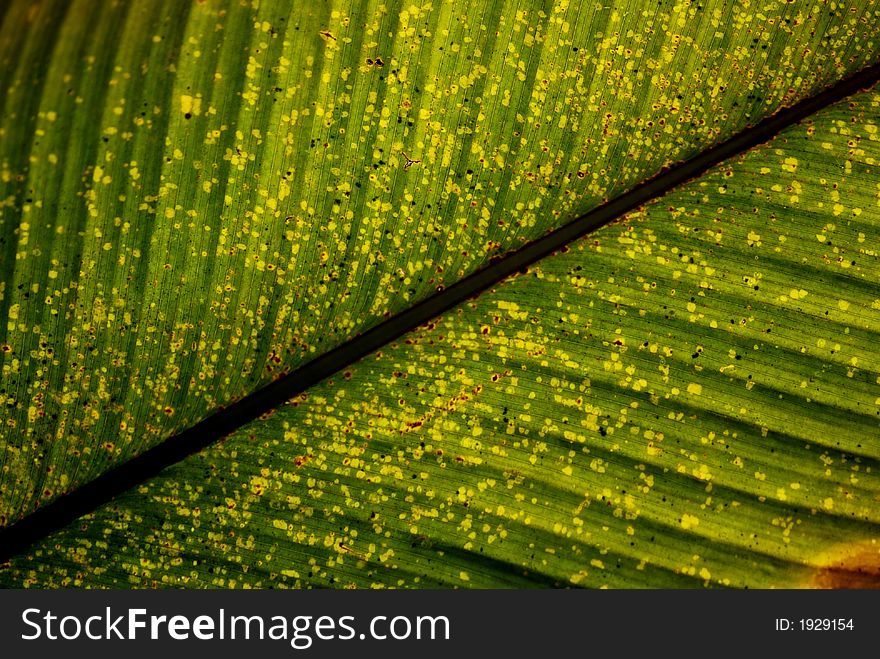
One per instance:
[(852, 565)]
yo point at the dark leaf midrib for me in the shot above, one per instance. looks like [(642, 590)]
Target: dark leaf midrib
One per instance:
[(38, 525)]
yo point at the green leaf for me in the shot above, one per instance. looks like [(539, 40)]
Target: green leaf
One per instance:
[(688, 397)]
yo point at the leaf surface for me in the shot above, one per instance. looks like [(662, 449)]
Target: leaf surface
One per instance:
[(689, 397), (196, 198)]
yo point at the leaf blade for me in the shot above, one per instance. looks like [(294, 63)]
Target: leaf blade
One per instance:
[(497, 444), (176, 47)]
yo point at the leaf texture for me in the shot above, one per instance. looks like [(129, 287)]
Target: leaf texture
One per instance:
[(198, 197), (689, 397)]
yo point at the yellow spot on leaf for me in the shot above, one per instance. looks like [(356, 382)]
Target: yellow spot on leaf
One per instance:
[(190, 104), (689, 521)]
